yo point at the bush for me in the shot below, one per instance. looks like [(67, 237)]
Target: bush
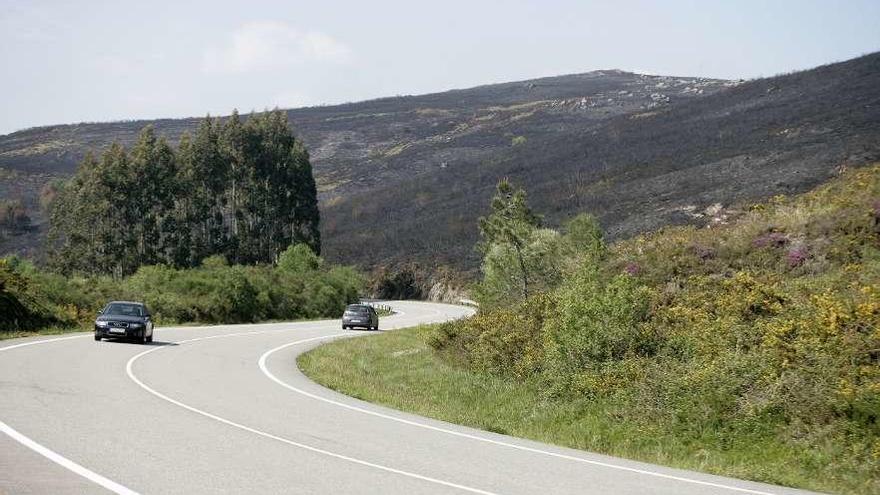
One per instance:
[(764, 330), (300, 287), (506, 342), (595, 323), (19, 309), (299, 258)]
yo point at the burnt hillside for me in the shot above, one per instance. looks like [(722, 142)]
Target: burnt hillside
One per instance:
[(636, 171), (360, 146), (404, 178)]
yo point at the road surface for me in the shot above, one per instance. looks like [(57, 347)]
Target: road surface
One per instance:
[(223, 409)]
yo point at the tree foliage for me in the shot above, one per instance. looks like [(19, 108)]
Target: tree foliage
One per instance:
[(214, 292), (13, 215), (766, 329), (240, 189), (509, 226)]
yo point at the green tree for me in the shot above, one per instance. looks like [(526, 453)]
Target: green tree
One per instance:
[(510, 225), (502, 267), (299, 258), (240, 189), (151, 191), (584, 243)]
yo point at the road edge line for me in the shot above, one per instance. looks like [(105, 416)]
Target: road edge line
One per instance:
[(65, 462), (264, 368), (134, 378)]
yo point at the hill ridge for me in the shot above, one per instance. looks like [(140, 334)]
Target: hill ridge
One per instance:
[(630, 148)]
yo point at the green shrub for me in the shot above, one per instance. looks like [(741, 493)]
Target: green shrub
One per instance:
[(764, 330), (300, 287), (299, 258), (594, 323), (506, 342)]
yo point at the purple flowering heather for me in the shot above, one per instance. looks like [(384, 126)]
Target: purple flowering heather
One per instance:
[(771, 239), (796, 256), (632, 268)]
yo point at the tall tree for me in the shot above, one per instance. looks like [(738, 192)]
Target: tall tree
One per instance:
[(151, 193), (242, 189), (510, 223), (232, 146)]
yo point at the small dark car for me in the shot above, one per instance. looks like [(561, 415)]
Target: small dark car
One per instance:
[(124, 320), (360, 315)]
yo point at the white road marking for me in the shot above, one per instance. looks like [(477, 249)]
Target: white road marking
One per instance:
[(265, 369), (128, 369), (44, 341), (54, 456), (65, 462)]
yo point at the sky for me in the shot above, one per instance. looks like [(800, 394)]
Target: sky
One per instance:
[(87, 61)]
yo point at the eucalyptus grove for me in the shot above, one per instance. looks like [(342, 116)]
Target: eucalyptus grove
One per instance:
[(241, 188)]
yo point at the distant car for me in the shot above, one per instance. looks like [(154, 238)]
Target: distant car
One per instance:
[(360, 315), (124, 320)]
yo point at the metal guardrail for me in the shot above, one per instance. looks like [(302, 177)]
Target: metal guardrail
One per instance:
[(379, 307)]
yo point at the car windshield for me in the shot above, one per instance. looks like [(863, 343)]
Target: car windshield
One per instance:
[(122, 309), (357, 309)]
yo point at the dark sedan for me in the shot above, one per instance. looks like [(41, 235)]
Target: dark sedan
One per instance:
[(124, 320)]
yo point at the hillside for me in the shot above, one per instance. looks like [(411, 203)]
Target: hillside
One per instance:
[(639, 170), (749, 349), (405, 178)]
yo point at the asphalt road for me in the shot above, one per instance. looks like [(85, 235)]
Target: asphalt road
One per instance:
[(224, 409)]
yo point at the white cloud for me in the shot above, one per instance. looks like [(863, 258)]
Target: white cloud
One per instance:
[(271, 45)]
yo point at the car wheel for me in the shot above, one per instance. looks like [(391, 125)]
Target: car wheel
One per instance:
[(97, 337), (143, 339), (150, 338)]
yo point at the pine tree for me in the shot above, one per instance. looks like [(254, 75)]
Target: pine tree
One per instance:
[(511, 223)]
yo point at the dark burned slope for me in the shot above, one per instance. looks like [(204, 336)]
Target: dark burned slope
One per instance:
[(404, 178), (360, 146), (636, 171)]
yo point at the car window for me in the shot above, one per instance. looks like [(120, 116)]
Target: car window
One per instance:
[(122, 309)]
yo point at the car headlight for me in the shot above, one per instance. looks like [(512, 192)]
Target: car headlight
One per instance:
[(136, 325), (102, 324)]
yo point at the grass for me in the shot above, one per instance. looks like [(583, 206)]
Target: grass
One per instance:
[(399, 370)]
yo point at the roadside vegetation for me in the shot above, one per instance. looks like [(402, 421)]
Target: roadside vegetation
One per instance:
[(222, 229), (749, 349), (300, 286)]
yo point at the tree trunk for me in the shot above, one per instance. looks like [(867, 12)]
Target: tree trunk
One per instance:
[(522, 268)]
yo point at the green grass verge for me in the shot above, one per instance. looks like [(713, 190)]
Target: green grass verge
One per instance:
[(399, 370)]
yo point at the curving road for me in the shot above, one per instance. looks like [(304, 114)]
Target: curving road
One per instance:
[(223, 409)]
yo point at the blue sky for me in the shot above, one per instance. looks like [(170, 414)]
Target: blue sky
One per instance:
[(76, 61)]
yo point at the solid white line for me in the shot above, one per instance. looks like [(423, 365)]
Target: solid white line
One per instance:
[(44, 341), (54, 456), (116, 487), (128, 369), (65, 462), (265, 369)]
